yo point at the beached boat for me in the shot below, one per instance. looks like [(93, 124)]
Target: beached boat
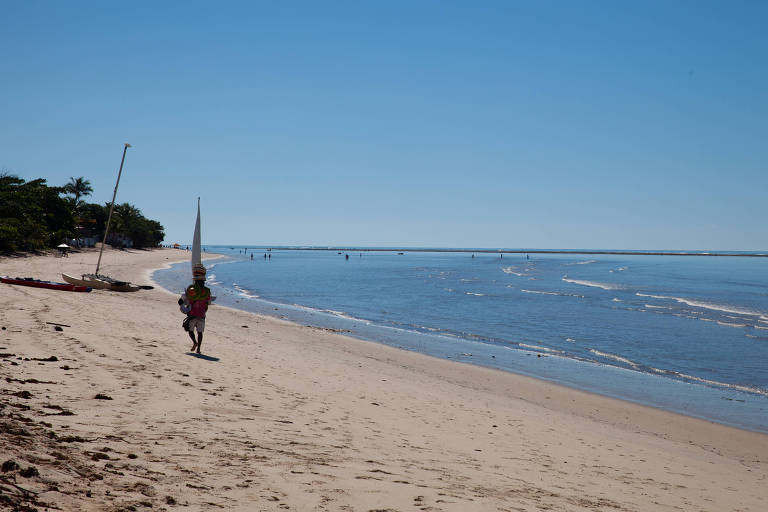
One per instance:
[(52, 285), (99, 281), (102, 283)]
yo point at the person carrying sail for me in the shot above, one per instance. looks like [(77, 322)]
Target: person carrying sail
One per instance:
[(194, 303)]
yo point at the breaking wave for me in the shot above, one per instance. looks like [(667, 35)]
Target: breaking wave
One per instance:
[(538, 348), (738, 387), (558, 294), (614, 357), (243, 292), (679, 375), (588, 262), (706, 305), (594, 284), (513, 271), (729, 324)]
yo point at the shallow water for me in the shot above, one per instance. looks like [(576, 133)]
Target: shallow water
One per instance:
[(687, 334)]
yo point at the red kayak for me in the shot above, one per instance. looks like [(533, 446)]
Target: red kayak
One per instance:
[(28, 281)]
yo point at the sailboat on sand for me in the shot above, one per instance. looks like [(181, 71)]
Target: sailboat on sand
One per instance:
[(99, 281)]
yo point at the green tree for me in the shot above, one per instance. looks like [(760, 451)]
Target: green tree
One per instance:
[(32, 214), (78, 187), (92, 218), (128, 222)]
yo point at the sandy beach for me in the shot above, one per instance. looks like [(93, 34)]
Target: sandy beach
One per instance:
[(112, 412)]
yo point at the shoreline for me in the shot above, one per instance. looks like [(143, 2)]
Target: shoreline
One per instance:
[(686, 397), (606, 416), (312, 420)]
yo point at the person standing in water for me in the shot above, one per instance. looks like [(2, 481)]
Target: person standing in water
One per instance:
[(194, 303)]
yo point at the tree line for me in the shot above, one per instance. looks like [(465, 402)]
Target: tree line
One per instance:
[(35, 216)]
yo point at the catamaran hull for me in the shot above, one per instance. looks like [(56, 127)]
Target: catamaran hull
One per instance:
[(100, 284)]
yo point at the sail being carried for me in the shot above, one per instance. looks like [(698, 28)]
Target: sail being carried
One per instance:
[(198, 270)]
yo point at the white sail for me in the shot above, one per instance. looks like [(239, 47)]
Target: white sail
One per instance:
[(196, 239)]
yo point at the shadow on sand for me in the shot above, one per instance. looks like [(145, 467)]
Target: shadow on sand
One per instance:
[(202, 356)]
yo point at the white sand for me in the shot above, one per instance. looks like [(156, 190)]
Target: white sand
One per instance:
[(297, 418)]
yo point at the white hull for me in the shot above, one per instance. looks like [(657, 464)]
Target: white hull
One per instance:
[(100, 284)]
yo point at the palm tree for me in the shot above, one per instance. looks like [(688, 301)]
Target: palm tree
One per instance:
[(78, 187)]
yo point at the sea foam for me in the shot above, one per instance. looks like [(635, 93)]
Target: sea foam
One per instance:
[(588, 262), (725, 308), (614, 357), (558, 294), (594, 284)]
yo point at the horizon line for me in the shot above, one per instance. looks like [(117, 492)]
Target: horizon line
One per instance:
[(628, 252)]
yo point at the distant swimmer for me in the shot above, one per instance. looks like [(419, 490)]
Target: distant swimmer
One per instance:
[(346, 256), (251, 256), (473, 255), (265, 255), (270, 255)]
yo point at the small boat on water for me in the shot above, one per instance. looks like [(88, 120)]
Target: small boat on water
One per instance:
[(52, 285)]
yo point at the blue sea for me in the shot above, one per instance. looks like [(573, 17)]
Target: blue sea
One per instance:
[(683, 333)]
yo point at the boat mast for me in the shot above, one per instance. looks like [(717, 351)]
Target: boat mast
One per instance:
[(112, 207)]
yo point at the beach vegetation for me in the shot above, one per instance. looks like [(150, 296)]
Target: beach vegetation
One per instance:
[(78, 187), (35, 216), (130, 224)]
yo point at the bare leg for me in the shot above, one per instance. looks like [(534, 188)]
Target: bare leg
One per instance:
[(199, 340), (192, 336)]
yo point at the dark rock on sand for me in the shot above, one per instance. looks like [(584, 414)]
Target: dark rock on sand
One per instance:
[(29, 472), (9, 465)]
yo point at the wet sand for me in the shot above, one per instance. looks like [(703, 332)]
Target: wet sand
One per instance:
[(112, 412)]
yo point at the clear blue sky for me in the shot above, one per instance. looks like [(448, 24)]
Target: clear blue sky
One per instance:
[(573, 124)]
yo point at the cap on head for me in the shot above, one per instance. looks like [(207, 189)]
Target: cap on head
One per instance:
[(198, 272)]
